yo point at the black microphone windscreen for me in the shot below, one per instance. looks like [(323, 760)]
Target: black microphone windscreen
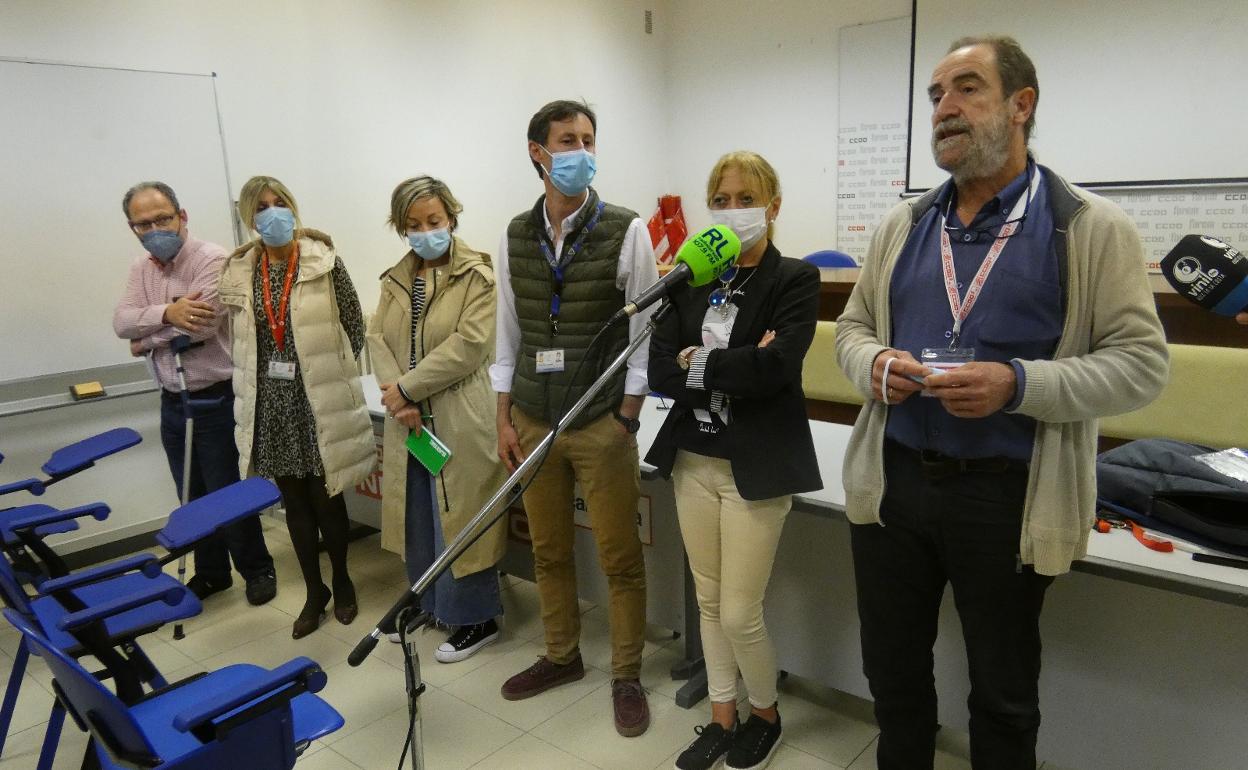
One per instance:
[(1208, 272)]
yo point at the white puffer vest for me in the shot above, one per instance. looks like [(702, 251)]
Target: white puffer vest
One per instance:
[(344, 432)]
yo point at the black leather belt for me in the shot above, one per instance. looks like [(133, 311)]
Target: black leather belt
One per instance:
[(938, 466), (215, 390)]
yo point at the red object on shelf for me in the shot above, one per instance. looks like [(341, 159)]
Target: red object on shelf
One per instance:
[(667, 228)]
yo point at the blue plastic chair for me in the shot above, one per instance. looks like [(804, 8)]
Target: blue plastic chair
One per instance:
[(82, 594), (240, 716), (830, 258), (92, 605), (63, 463)]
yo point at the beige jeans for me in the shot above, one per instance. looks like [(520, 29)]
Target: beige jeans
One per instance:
[(603, 459), (731, 544)]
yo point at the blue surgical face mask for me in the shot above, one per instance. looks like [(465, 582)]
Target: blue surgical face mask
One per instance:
[(276, 226), (571, 171), (431, 244), (164, 245)]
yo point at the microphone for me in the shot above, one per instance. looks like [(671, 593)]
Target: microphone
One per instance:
[(700, 260), (1209, 273)]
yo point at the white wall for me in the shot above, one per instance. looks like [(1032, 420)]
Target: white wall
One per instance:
[(342, 100), (762, 76)]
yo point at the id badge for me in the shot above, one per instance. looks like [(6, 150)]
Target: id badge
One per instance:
[(717, 326), (945, 360), (549, 361), (282, 370)]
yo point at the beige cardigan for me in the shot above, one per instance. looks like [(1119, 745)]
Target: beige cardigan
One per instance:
[(344, 431), (1111, 358)]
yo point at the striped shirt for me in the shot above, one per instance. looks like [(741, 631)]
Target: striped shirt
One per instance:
[(418, 307), (151, 288)]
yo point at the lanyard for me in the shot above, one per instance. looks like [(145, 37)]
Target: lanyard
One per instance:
[(557, 265), (959, 306), (278, 325)]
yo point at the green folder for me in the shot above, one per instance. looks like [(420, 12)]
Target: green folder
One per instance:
[(429, 450)]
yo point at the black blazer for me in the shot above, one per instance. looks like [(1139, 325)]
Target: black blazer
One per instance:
[(768, 439)]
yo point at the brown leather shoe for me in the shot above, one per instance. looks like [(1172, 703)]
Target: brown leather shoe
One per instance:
[(632, 713), (541, 676)]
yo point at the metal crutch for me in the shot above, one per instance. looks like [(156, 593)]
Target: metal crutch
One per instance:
[(179, 345)]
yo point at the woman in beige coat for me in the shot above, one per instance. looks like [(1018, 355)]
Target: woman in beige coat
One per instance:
[(299, 411), (431, 340)]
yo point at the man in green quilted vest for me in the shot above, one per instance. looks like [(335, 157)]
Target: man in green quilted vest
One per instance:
[(564, 267)]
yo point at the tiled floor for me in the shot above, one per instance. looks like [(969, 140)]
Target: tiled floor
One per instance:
[(466, 723)]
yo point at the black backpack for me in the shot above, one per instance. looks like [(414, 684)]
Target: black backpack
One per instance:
[(1157, 483)]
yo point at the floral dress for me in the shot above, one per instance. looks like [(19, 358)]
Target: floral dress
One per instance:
[(285, 429)]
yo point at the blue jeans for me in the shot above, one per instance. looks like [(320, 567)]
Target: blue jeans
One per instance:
[(214, 464), (453, 601)]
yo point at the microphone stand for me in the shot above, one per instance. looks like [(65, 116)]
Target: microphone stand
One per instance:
[(478, 526)]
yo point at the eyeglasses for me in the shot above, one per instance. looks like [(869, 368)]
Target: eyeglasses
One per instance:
[(968, 234), (161, 222)]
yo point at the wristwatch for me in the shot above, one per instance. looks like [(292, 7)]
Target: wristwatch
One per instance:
[(631, 424), (684, 356)]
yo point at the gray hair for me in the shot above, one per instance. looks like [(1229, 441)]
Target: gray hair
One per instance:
[(1013, 66), (159, 187), (411, 190)]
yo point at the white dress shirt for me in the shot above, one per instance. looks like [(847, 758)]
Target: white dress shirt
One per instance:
[(637, 271)]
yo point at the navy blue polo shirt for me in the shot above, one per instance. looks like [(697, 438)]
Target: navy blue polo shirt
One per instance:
[(1018, 314)]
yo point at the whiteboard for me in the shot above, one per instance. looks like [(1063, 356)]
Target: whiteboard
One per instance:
[(73, 139), (1147, 92)]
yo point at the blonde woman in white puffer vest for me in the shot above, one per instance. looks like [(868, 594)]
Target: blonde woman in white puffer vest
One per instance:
[(299, 411)]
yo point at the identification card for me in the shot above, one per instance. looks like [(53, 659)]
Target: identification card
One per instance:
[(282, 370), (549, 361), (945, 360), (717, 326)]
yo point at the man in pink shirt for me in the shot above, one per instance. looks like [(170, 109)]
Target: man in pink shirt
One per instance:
[(171, 291)]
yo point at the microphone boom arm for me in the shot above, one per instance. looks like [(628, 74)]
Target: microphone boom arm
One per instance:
[(492, 510)]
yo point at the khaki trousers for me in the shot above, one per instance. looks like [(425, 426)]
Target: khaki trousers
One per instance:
[(603, 459), (731, 543)]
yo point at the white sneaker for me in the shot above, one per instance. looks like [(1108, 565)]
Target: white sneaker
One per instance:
[(466, 641), (416, 623)]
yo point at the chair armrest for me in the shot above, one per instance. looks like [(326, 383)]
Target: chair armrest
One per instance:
[(302, 671), (170, 595), (204, 516), (17, 513), (34, 486), (99, 511), (144, 562), (81, 455)]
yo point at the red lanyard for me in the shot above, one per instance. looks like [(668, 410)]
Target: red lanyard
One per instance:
[(961, 307), (278, 325)]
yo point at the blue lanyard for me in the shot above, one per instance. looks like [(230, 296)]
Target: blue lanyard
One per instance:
[(556, 265)]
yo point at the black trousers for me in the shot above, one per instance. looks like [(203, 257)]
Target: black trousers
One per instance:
[(961, 529), (214, 464)]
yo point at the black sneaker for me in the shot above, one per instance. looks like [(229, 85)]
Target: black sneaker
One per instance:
[(708, 749), (754, 744), (465, 642), (203, 587), (262, 588)]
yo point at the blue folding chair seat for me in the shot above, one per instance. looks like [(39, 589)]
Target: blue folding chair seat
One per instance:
[(240, 716)]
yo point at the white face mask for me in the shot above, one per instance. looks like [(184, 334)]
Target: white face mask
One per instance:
[(750, 225)]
